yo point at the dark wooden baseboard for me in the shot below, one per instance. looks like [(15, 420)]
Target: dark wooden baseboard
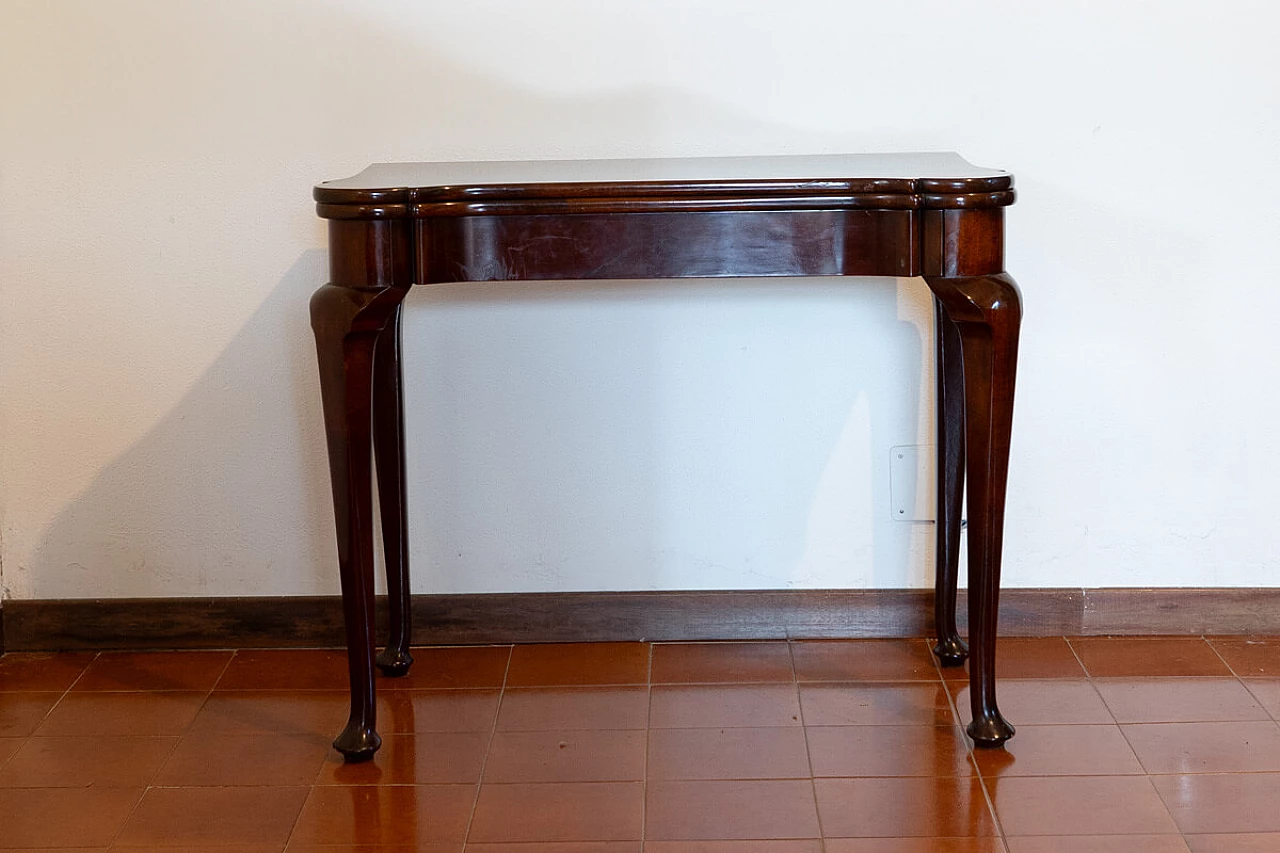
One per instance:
[(191, 623)]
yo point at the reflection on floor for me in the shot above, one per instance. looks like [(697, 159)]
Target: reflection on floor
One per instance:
[(1140, 745)]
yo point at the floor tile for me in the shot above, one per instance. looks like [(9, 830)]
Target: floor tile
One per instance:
[(1178, 700), (188, 670), (871, 703), (272, 712), (1129, 657), (557, 665), (581, 755), (551, 708), (730, 810), (453, 666), (209, 816), (203, 759), (286, 669), (82, 762), (1076, 750), (1041, 702), (384, 814), (946, 807), (85, 817), (409, 711), (77, 850), (41, 671), (1254, 842), (692, 663), (594, 811), (790, 845), (99, 714), (1098, 844), (1267, 692), (214, 848), (1028, 657), (888, 751), (1243, 747), (727, 705), (728, 737), (1079, 805), (22, 713), (421, 847), (208, 848), (864, 660), (556, 847), (1228, 802), (728, 753), (431, 758), (1250, 657), (915, 845), (8, 746)]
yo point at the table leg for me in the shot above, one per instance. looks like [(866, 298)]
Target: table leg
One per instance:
[(987, 311), (388, 452), (346, 322), (950, 650)]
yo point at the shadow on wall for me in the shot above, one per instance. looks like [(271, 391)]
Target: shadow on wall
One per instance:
[(228, 494), (563, 436), (574, 436), (641, 435)]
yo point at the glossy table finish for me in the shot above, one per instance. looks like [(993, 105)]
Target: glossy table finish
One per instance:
[(929, 215)]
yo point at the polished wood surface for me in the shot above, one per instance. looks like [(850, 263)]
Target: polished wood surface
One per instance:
[(301, 621), (928, 172), (930, 215)]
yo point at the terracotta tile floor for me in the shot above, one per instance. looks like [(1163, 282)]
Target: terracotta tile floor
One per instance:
[(1140, 745)]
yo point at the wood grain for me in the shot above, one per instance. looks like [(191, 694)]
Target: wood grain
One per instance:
[(301, 621)]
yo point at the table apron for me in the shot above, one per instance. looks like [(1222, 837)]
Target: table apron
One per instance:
[(661, 245)]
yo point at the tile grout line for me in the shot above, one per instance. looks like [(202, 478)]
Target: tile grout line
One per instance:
[(1231, 669), (1146, 774), (1275, 716), (956, 719), (148, 787), (644, 773), (1240, 679), (1129, 744), (311, 788), (808, 754), (27, 737), (230, 659), (207, 696), (1237, 676), (1125, 736), (115, 836), (797, 685), (1093, 683), (958, 723), (85, 669), (493, 731), (65, 693), (1076, 654)]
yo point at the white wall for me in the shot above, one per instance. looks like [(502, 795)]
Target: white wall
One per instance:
[(160, 429)]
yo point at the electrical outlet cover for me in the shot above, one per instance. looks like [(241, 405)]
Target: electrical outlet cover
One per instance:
[(913, 487)]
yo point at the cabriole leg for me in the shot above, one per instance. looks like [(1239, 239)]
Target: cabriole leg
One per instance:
[(388, 447), (950, 649), (987, 311), (346, 322)]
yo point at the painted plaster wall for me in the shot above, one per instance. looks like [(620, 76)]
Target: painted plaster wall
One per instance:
[(160, 427)]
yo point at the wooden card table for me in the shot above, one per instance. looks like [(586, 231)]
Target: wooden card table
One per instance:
[(394, 226)]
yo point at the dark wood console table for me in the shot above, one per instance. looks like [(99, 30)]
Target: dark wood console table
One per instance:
[(397, 225)]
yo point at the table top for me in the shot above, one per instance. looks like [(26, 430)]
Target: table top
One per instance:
[(809, 175)]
